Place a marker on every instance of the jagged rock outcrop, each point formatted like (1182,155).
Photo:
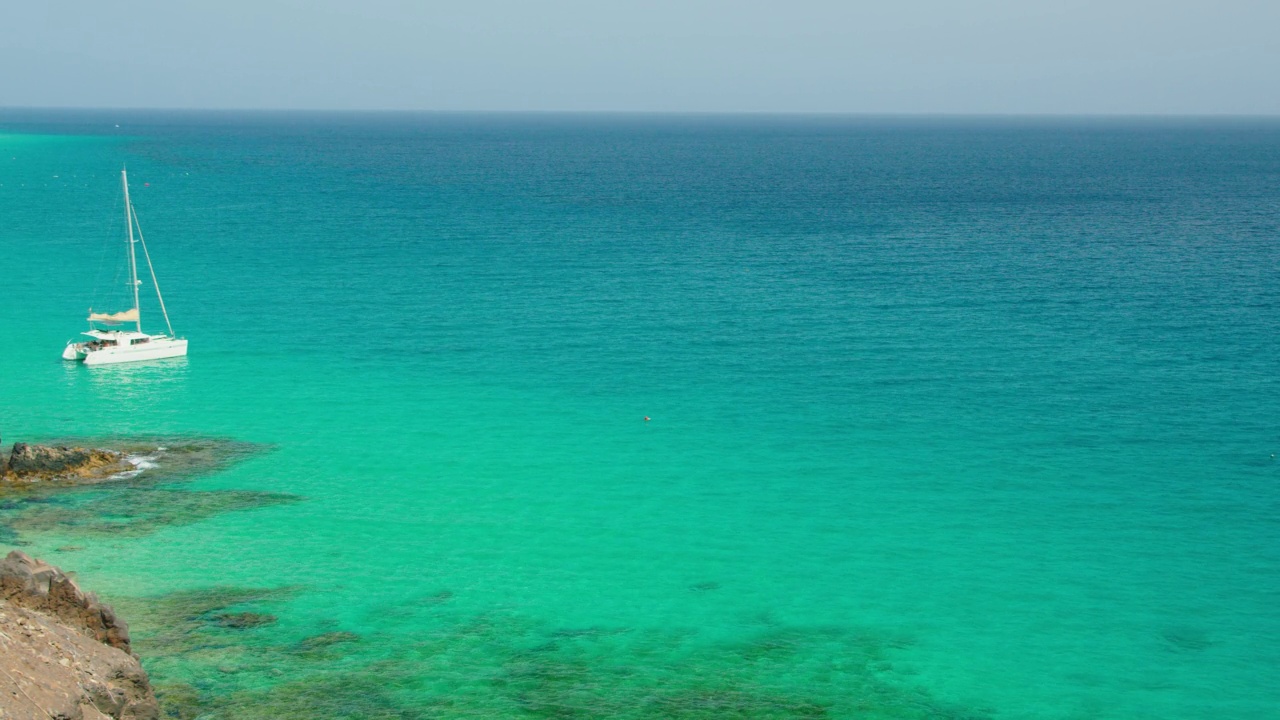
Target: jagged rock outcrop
(63,654)
(37,585)
(29,464)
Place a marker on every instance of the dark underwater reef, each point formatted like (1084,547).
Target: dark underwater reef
(230,653)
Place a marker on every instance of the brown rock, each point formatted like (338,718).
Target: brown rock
(36,585)
(63,653)
(30,464)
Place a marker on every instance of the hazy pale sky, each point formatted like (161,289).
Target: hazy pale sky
(888,56)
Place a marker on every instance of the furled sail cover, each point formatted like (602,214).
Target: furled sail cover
(115,318)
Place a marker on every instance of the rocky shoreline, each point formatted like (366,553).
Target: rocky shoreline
(29,465)
(65,654)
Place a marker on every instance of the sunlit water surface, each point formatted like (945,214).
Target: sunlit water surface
(946,418)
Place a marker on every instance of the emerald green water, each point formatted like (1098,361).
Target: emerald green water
(948,418)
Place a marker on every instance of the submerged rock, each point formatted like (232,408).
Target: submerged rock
(325,640)
(131,511)
(65,654)
(243,620)
(29,464)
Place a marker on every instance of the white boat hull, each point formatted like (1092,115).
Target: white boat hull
(155,349)
(113,346)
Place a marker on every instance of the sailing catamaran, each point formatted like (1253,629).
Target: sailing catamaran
(118,346)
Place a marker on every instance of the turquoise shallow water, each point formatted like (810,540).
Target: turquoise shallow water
(949,418)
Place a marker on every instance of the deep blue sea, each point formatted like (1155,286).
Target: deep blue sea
(595,416)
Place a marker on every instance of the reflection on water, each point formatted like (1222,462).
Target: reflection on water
(128,382)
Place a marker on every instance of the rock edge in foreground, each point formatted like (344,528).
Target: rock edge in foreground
(64,654)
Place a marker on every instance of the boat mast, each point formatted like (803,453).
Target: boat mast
(152,269)
(133,259)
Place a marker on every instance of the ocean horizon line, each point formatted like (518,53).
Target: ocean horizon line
(798,114)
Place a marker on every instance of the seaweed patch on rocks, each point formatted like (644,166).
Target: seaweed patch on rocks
(356,696)
(498,665)
(325,641)
(68,462)
(137,498)
(133,512)
(243,620)
(205,620)
(505,664)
